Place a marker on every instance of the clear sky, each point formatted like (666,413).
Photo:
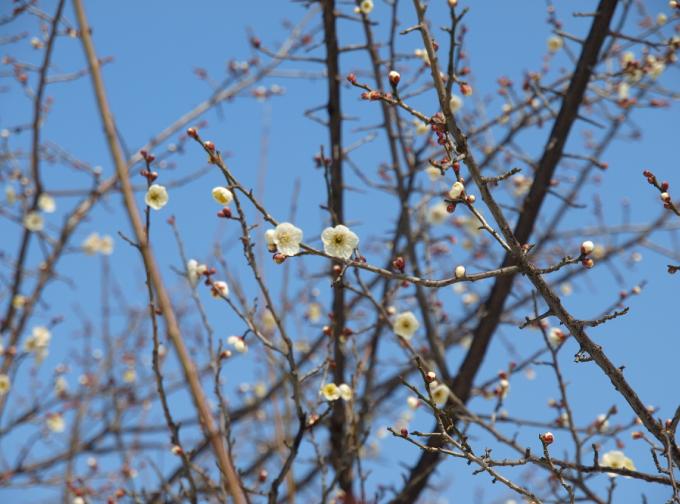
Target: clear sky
(159,47)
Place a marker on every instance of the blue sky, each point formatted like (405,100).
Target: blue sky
(157,47)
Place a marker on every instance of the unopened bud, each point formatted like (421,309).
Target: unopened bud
(546,438)
(394,77)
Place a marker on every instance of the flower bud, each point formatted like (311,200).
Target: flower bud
(209,145)
(546,438)
(192,132)
(588,263)
(394,78)
(460,271)
(587,247)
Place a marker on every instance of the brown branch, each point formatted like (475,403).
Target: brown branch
(172,327)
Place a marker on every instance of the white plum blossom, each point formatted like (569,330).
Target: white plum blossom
(238,343)
(330,392)
(55,422)
(33,221)
(413,402)
(455,103)
(46,203)
(555,43)
(97,244)
(366,6)
(219,289)
(156,196)
(434,173)
(405,325)
(440,392)
(222,195)
(438,213)
(5,384)
(460,271)
(194,271)
(345,392)
(339,241)
(287,238)
(617,460)
(38,343)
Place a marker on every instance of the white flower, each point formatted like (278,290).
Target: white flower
(555,43)
(10,194)
(440,392)
(33,221)
(106,245)
(460,271)
(314,312)
(55,422)
(455,103)
(366,6)
(339,241)
(156,197)
(661,19)
(18,302)
(345,392)
(222,195)
(238,343)
(433,173)
(46,203)
(269,239)
(617,460)
(456,191)
(556,337)
(194,271)
(413,402)
(330,392)
(38,341)
(421,127)
(5,384)
(437,214)
(422,54)
(130,375)
(60,385)
(405,325)
(91,244)
(287,238)
(219,289)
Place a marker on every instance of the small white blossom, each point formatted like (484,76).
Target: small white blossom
(366,6)
(433,173)
(238,343)
(222,195)
(55,422)
(5,384)
(405,325)
(330,392)
(440,392)
(46,203)
(437,214)
(413,402)
(617,460)
(194,271)
(345,392)
(156,197)
(455,103)
(457,189)
(460,271)
(106,245)
(339,241)
(219,289)
(33,221)
(555,43)
(130,375)
(287,238)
